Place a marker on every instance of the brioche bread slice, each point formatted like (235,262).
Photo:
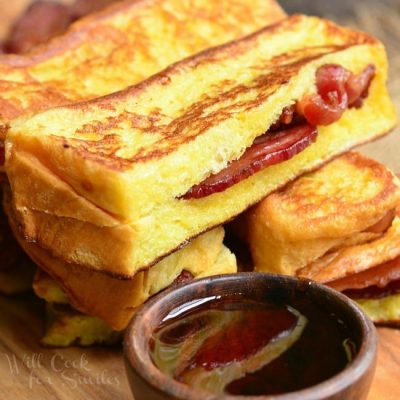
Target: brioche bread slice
(115,167)
(349,260)
(114,300)
(338,225)
(120,46)
(110,50)
(320,212)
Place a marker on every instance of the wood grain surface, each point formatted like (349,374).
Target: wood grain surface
(29,371)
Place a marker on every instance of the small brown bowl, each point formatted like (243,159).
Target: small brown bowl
(149,383)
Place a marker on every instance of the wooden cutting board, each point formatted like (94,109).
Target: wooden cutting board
(29,371)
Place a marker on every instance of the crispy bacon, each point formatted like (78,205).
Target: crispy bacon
(42,20)
(330,102)
(337,89)
(357,86)
(379,277)
(266,150)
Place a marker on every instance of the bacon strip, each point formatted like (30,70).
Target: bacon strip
(337,89)
(42,20)
(45,19)
(357,86)
(331,100)
(268,149)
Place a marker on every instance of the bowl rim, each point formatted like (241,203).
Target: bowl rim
(138,357)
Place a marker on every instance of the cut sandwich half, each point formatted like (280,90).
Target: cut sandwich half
(115,300)
(369,273)
(339,225)
(105,52)
(116,184)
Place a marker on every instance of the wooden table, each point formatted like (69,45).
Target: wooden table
(28,371)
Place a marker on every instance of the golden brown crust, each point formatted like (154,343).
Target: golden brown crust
(336,200)
(114,299)
(94,24)
(109,50)
(165,117)
(171,134)
(354,259)
(19,97)
(98,140)
(340,38)
(241,228)
(61,195)
(320,213)
(118,274)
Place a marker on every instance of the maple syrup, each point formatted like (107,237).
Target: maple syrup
(234,345)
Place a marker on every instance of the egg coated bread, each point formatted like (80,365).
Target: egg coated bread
(115,167)
(120,46)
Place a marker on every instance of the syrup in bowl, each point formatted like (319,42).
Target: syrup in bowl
(235,345)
